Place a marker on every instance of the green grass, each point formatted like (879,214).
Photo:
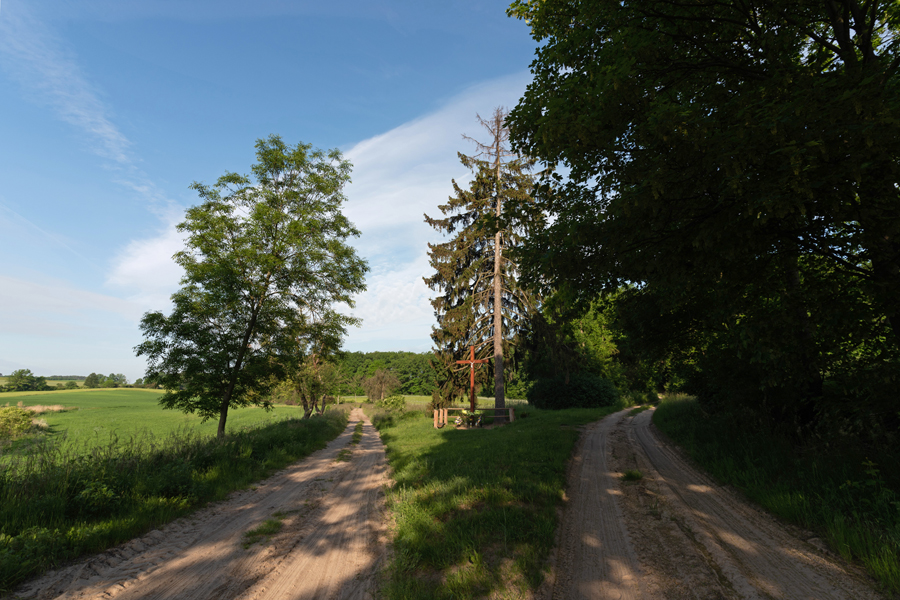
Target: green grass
(104,414)
(262,533)
(632,475)
(839,492)
(58,502)
(476,510)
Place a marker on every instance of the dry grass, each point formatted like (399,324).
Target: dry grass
(40,409)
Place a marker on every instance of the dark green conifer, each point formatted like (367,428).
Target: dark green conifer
(481,303)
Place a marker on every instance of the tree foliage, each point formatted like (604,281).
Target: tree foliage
(412,369)
(265,262)
(737,163)
(314,382)
(23,380)
(480,301)
(382,383)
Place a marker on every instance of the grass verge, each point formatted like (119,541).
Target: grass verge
(476,510)
(57,503)
(839,494)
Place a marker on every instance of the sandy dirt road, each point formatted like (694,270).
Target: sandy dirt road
(676,534)
(329,546)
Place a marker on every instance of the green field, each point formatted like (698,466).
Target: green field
(97,415)
(115,465)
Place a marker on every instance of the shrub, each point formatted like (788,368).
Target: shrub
(14,421)
(581,391)
(392,403)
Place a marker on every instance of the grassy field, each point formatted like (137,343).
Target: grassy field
(841,493)
(476,510)
(119,466)
(98,415)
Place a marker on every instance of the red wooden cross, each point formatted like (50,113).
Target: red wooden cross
(472,362)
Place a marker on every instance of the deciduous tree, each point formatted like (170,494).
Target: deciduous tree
(266,261)
(724,157)
(380,384)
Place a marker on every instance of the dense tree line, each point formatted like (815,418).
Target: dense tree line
(112,380)
(731,181)
(411,369)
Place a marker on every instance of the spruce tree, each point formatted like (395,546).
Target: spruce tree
(481,303)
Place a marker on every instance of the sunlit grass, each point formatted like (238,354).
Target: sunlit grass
(94,417)
(476,510)
(60,501)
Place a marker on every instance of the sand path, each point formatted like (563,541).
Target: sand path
(329,546)
(677,534)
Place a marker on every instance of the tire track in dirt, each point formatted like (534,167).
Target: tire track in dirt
(674,534)
(747,553)
(330,539)
(594,555)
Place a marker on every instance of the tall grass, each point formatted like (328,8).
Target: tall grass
(58,501)
(476,510)
(839,493)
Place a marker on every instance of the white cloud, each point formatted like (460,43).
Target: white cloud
(397,177)
(36,60)
(55,306)
(53,328)
(145,270)
(34,56)
(395,310)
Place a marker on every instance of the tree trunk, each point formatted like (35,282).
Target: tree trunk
(499,393)
(226,399)
(811,389)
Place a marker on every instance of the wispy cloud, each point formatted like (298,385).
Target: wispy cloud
(53,327)
(144,269)
(35,58)
(49,74)
(53,238)
(398,176)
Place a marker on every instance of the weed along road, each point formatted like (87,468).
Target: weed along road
(673,533)
(314,530)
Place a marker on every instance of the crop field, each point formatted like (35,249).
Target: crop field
(96,416)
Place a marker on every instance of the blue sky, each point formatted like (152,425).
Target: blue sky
(109,109)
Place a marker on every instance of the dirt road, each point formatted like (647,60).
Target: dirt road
(329,545)
(675,534)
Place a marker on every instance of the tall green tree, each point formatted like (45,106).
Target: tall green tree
(266,261)
(23,380)
(736,161)
(482,303)
(92,381)
(382,383)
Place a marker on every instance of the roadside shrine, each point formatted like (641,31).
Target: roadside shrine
(441,415)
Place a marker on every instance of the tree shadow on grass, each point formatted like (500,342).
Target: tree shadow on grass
(476,510)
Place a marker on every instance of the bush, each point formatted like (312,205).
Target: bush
(14,421)
(582,391)
(392,403)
